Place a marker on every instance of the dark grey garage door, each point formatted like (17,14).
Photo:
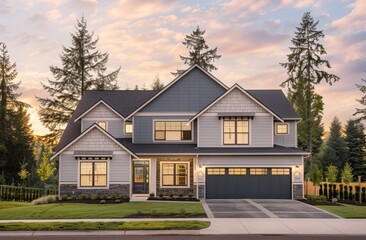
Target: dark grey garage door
(256,183)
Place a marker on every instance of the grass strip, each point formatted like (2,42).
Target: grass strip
(346,210)
(87,226)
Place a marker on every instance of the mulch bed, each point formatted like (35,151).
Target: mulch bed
(166,216)
(184,199)
(90,201)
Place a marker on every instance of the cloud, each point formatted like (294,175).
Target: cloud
(44,17)
(355,20)
(128,9)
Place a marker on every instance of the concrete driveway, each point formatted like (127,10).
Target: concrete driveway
(262,208)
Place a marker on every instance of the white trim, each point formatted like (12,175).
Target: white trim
(108,174)
(171,141)
(106,124)
(119,182)
(133,130)
(166,114)
(88,130)
(237,145)
(235,86)
(59,177)
(295,135)
(283,123)
(198,135)
(272,129)
(224,154)
(175,162)
(101,119)
(96,104)
(172,83)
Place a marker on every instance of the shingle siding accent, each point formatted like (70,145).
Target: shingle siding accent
(101,111)
(286,140)
(236,101)
(191,93)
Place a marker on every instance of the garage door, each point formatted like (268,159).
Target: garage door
(256,183)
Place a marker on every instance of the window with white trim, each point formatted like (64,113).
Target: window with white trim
(128,128)
(102,124)
(281,128)
(172,131)
(93,174)
(236,131)
(174,174)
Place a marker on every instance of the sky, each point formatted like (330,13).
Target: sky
(145,37)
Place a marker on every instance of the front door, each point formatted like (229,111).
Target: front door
(140,177)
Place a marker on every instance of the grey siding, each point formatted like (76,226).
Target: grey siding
(143,128)
(190,94)
(210,131)
(119,168)
(115,127)
(287,140)
(68,168)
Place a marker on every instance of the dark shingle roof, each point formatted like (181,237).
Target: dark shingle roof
(276,101)
(123,101)
(156,148)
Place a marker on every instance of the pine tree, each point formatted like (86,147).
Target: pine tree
(305,69)
(356,140)
(83,68)
(157,84)
(199,52)
(361,111)
(335,150)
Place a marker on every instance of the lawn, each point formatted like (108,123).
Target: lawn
(10,210)
(346,210)
(140,225)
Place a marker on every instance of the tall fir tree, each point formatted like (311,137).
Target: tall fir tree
(157,84)
(305,69)
(335,150)
(356,140)
(361,111)
(199,52)
(83,68)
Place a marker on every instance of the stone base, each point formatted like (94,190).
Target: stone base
(201,191)
(118,189)
(297,190)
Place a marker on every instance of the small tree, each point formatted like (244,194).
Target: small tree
(316,177)
(45,169)
(331,173)
(23,173)
(347,174)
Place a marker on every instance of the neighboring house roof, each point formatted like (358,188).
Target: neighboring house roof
(236,86)
(122,101)
(94,126)
(191,149)
(173,82)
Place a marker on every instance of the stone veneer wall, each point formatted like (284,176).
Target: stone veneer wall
(297,190)
(201,191)
(175,191)
(71,189)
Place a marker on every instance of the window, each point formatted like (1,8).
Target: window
(102,124)
(280,171)
(93,174)
(174,174)
(237,171)
(128,127)
(258,171)
(173,131)
(281,129)
(236,131)
(216,171)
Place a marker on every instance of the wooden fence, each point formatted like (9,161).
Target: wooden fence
(310,189)
(22,194)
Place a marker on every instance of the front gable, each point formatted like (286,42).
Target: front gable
(101,111)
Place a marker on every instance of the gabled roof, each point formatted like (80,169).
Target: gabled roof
(173,82)
(235,86)
(94,126)
(95,105)
(122,101)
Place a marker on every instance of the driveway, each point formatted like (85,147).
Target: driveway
(263,208)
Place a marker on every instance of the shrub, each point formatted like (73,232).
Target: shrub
(83,196)
(180,195)
(45,200)
(73,197)
(357,194)
(341,191)
(113,196)
(122,196)
(325,190)
(190,195)
(117,201)
(64,197)
(152,194)
(350,195)
(345,193)
(102,201)
(320,190)
(316,198)
(363,194)
(94,197)
(335,192)
(161,195)
(171,195)
(104,197)
(334,200)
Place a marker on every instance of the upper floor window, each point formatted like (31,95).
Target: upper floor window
(128,127)
(236,131)
(281,128)
(93,174)
(172,131)
(102,124)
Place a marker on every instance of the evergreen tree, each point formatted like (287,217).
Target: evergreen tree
(305,69)
(83,68)
(356,140)
(157,84)
(362,111)
(199,52)
(335,150)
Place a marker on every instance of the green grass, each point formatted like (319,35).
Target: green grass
(6,205)
(80,210)
(346,210)
(81,226)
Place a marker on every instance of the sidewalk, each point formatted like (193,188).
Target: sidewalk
(222,226)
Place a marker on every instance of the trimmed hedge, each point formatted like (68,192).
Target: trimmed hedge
(22,194)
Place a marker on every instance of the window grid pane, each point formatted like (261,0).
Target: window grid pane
(174,174)
(282,129)
(93,174)
(173,131)
(236,131)
(258,171)
(102,124)
(216,171)
(128,127)
(280,171)
(237,171)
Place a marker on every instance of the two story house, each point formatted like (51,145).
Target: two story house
(195,137)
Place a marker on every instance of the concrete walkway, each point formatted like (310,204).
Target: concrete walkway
(223,226)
